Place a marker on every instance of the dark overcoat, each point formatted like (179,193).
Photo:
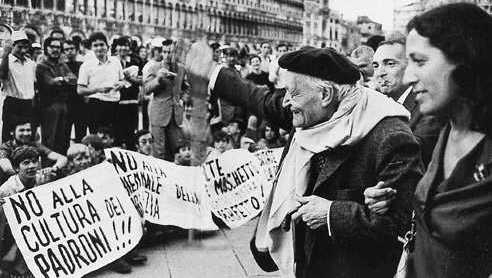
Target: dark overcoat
(362,244)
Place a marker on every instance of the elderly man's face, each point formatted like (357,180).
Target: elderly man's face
(389,66)
(305,100)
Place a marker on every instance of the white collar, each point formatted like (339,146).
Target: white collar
(404,96)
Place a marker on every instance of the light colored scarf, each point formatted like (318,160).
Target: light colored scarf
(360,109)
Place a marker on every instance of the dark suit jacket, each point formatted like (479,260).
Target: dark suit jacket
(165,104)
(425,128)
(362,244)
(454,216)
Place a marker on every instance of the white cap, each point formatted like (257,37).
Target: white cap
(19,36)
(156,42)
(36,45)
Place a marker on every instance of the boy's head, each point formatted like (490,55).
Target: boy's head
(106,134)
(96,147)
(247,143)
(79,156)
(144,142)
(25,160)
(184,154)
(221,140)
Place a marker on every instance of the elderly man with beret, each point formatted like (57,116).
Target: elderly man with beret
(343,139)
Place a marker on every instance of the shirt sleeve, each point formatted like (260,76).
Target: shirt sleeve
(4,151)
(213,76)
(83,75)
(45,151)
(328,219)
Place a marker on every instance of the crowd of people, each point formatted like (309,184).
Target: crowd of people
(393,129)
(65,101)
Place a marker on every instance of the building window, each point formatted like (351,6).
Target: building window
(48,4)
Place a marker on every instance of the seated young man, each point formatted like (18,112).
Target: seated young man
(184,155)
(25,161)
(23,136)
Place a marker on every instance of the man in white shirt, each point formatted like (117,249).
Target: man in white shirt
(101,79)
(17,74)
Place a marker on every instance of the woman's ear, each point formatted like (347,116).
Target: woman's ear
(328,95)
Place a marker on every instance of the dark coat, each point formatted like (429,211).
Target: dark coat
(425,128)
(454,216)
(362,244)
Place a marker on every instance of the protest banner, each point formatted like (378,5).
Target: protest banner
(74,225)
(269,162)
(234,186)
(164,193)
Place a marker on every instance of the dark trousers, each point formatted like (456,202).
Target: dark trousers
(102,114)
(78,117)
(126,125)
(54,126)
(145,114)
(15,110)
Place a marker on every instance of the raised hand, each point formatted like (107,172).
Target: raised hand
(199,60)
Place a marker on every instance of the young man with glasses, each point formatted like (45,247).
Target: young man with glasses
(55,79)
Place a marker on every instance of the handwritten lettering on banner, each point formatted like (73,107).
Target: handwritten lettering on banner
(269,161)
(75,225)
(234,186)
(164,193)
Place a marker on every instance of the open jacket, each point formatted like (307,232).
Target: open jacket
(361,244)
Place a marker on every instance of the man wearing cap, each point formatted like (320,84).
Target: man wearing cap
(166,111)
(17,74)
(344,138)
(37,52)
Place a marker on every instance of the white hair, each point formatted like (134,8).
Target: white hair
(315,82)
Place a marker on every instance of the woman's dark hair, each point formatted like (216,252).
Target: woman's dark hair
(97,36)
(47,42)
(462,32)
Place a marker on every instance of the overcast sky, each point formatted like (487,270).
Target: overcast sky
(378,10)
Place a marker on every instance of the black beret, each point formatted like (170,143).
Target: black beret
(324,63)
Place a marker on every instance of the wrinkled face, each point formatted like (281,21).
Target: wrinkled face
(54,49)
(429,71)
(145,144)
(255,63)
(304,100)
(389,64)
(28,168)
(69,51)
(364,63)
(100,48)
(82,160)
(23,133)
(122,50)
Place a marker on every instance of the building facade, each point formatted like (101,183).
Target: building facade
(405,10)
(325,27)
(368,28)
(226,20)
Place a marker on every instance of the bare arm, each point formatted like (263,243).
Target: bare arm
(6,166)
(60,160)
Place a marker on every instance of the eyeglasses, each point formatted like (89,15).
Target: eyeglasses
(54,46)
(69,48)
(166,51)
(98,44)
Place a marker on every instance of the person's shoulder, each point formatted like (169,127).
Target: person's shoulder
(42,148)
(391,130)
